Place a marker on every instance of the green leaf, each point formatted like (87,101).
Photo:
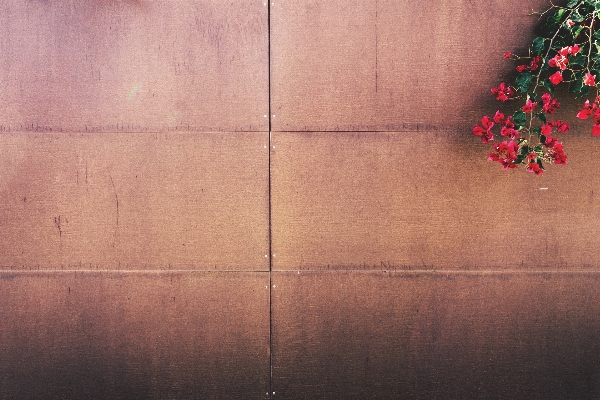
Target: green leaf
(519,118)
(523,81)
(583,91)
(537,47)
(575,32)
(543,138)
(548,85)
(542,117)
(576,17)
(576,84)
(579,59)
(572,3)
(539,161)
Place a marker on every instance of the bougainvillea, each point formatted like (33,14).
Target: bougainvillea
(567,52)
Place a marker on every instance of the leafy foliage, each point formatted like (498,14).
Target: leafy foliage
(567,51)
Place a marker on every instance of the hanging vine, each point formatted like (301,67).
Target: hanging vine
(566,53)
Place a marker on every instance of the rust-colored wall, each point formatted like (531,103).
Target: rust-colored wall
(158,241)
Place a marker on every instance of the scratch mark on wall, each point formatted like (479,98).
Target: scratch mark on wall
(376,50)
(57,223)
(117,209)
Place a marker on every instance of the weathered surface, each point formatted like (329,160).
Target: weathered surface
(427,200)
(390,65)
(94,178)
(135,65)
(134,201)
(375,335)
(138,336)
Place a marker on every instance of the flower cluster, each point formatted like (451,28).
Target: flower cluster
(516,150)
(591,110)
(566,52)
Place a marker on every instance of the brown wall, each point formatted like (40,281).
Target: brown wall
(208,199)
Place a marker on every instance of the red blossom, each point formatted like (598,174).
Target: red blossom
(509,132)
(535,168)
(587,110)
(502,92)
(556,77)
(596,129)
(550,141)
(535,63)
(498,117)
(549,104)
(588,79)
(522,68)
(507,55)
(529,106)
(569,22)
(506,153)
(485,132)
(574,49)
(560,126)
(558,155)
(546,129)
(559,61)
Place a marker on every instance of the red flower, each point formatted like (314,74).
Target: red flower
(535,63)
(486,131)
(588,110)
(546,129)
(570,23)
(509,132)
(560,126)
(596,129)
(535,168)
(549,104)
(588,79)
(506,154)
(574,49)
(502,92)
(529,106)
(550,141)
(556,77)
(507,55)
(498,117)
(558,154)
(559,61)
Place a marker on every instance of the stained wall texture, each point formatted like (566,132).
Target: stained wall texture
(252,199)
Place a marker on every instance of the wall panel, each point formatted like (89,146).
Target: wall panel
(134,335)
(427,200)
(390,65)
(134,201)
(134,65)
(382,335)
